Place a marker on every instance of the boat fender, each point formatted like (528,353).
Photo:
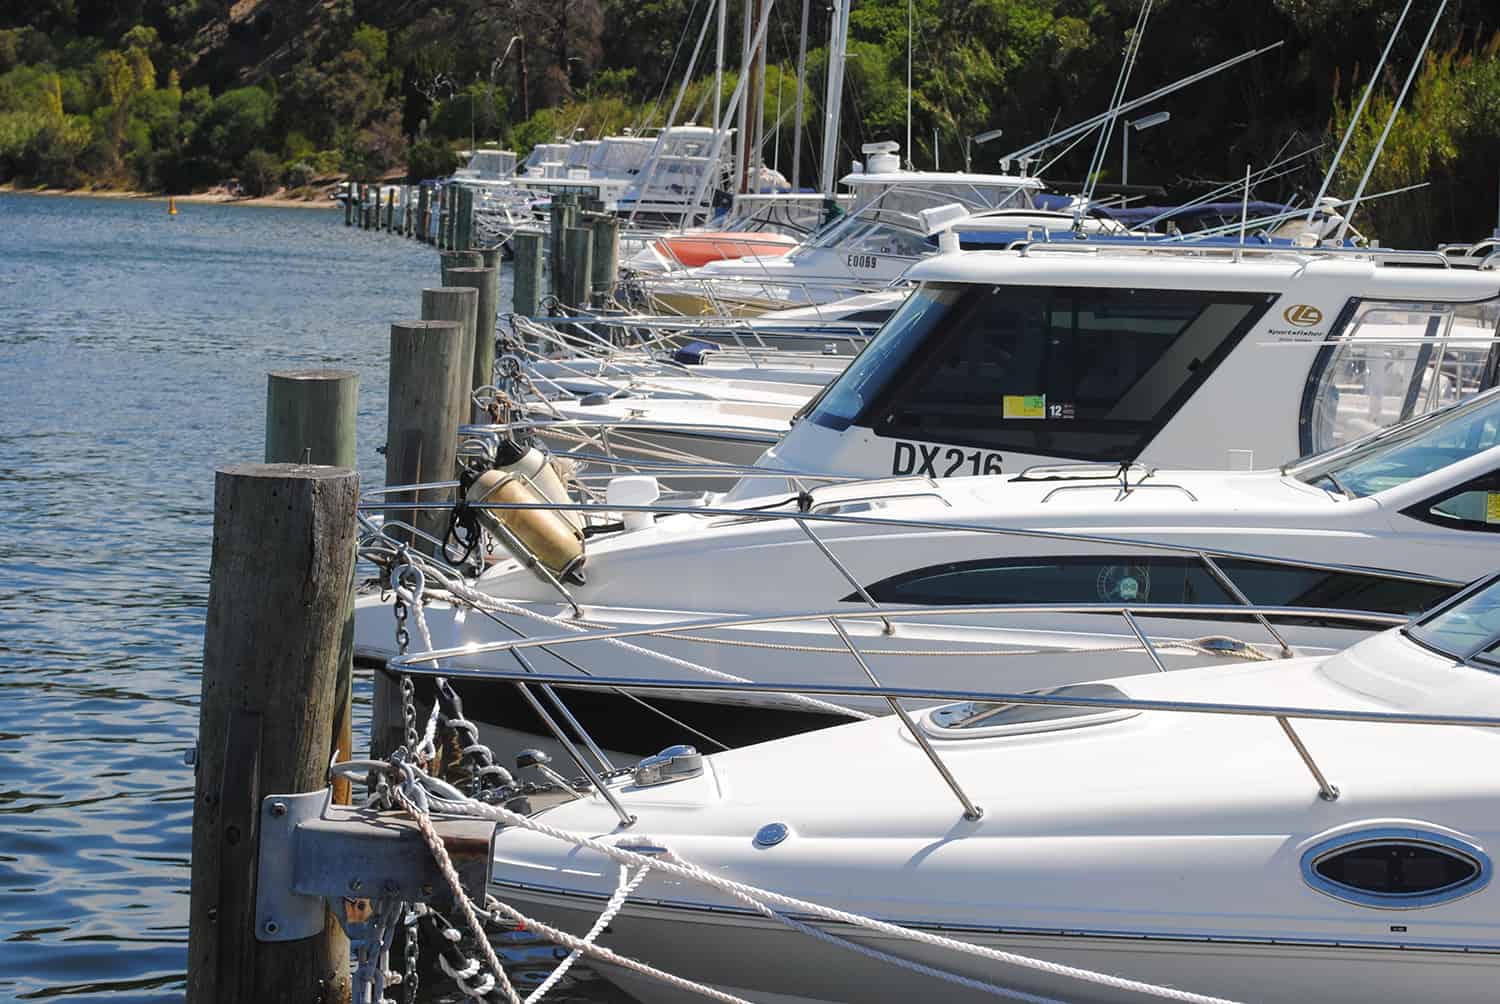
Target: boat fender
(536,467)
(693,353)
(545,535)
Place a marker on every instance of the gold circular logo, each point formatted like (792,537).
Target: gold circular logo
(1303,315)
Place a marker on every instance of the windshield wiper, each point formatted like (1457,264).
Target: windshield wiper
(1328,476)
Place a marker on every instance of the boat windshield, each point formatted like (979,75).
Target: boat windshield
(1467,629)
(1410,450)
(1392,360)
(1075,372)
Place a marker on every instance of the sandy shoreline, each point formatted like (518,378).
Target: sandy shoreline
(217,198)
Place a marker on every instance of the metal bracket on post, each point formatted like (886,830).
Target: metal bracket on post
(312,850)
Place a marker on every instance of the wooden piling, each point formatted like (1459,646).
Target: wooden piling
(527,252)
(461,304)
(278,618)
(349,204)
(311,416)
(450,260)
(429,363)
(578,249)
(486,282)
(423,217)
(605,260)
(562,216)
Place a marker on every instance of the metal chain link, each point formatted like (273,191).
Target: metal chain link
(409,978)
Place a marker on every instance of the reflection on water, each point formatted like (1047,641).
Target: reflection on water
(133,353)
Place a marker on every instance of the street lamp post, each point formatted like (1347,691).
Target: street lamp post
(979,140)
(1138,125)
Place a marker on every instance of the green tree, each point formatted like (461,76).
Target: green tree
(260,173)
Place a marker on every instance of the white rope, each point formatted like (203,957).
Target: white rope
(445,865)
(440,855)
(684,870)
(627,885)
(875,953)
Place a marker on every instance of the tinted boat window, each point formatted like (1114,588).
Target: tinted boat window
(1149,579)
(890,349)
(1085,373)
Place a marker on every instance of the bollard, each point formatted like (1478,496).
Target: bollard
(563,216)
(486,282)
(578,247)
(311,417)
(491,258)
(606,258)
(450,260)
(280,584)
(526,246)
(428,360)
(461,304)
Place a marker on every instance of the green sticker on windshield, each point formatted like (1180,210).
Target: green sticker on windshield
(1492,507)
(1024,406)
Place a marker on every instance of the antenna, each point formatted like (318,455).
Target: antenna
(1244,213)
(1354,119)
(909,5)
(1096,162)
(1416,64)
(1083,127)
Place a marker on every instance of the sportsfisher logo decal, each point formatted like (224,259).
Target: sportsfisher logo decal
(940,462)
(1303,315)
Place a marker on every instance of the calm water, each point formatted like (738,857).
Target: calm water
(133,353)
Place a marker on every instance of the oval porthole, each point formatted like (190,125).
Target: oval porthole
(1396,869)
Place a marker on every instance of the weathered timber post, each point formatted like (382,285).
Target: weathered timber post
(311,417)
(428,384)
(578,243)
(439,235)
(422,214)
(491,258)
(349,204)
(527,248)
(461,304)
(461,219)
(563,216)
(278,619)
(364,206)
(606,258)
(450,260)
(486,282)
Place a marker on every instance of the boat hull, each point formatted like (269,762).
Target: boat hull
(767,962)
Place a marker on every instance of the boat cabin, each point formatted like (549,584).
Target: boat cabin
(1205,358)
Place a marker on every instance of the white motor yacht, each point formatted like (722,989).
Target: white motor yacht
(1315,829)
(1066,352)
(1388,524)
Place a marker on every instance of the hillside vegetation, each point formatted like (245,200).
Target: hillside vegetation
(173,95)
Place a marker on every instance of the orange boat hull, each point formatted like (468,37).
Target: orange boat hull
(692,250)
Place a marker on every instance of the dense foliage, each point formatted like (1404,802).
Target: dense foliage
(176,94)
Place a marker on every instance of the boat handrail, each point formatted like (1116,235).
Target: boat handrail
(438,662)
(374,501)
(1378,256)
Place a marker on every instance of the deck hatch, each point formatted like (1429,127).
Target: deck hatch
(1396,868)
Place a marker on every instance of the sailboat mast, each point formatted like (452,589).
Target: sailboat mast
(832,105)
(797,115)
(719,64)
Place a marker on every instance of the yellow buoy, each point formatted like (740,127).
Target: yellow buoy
(171,205)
